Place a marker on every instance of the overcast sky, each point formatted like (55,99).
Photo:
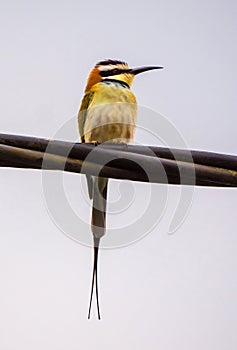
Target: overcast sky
(164,291)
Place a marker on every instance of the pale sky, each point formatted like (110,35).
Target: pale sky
(164,291)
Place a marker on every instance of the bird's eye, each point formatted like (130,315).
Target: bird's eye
(115,71)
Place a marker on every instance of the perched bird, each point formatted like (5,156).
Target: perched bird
(107,114)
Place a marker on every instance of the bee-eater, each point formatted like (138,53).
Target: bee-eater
(107,114)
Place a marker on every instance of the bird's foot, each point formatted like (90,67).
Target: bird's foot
(95,143)
(125,145)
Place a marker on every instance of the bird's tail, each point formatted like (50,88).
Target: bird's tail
(95,278)
(98,227)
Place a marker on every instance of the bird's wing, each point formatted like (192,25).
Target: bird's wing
(83,111)
(81,122)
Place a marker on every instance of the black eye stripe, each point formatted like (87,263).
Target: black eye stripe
(114,71)
(107,73)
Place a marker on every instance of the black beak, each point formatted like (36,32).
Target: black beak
(139,70)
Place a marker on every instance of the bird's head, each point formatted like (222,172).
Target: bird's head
(114,69)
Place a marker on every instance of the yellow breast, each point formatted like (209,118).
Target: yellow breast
(111,114)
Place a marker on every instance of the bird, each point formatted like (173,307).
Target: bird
(107,113)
